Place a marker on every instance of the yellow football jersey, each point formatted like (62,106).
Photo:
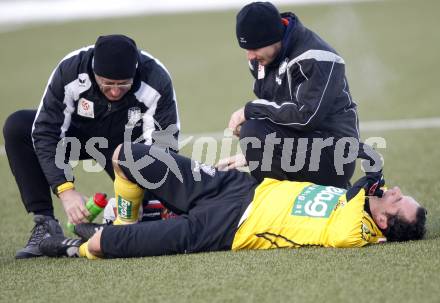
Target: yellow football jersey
(295,214)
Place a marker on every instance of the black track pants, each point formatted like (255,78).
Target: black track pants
(32,184)
(277,163)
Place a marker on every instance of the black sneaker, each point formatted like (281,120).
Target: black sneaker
(60,246)
(87,230)
(44,227)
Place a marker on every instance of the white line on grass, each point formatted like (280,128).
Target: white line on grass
(369,126)
(400,124)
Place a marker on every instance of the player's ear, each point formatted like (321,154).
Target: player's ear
(382,221)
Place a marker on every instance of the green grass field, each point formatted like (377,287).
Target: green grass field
(391,53)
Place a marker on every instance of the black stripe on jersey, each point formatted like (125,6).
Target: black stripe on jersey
(263,235)
(372,224)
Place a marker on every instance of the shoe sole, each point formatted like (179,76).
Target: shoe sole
(27,256)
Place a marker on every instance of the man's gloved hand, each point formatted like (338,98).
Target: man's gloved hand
(74,206)
(375,183)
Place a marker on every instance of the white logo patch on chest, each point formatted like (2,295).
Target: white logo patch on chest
(85,108)
(261,71)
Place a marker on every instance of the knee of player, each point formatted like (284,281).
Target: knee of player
(14,126)
(116,153)
(255,129)
(94,244)
(247,130)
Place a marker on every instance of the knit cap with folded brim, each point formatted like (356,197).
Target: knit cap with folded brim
(115,57)
(258,25)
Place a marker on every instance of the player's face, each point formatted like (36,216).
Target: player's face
(395,203)
(264,55)
(113,90)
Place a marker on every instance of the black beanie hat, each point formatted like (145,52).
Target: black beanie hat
(115,57)
(258,25)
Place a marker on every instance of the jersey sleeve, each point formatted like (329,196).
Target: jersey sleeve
(345,229)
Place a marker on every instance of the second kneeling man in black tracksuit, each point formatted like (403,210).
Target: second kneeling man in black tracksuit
(302,93)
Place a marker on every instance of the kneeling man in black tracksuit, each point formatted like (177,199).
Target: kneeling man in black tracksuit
(96,98)
(303,111)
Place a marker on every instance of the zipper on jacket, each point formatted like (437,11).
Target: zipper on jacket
(109,107)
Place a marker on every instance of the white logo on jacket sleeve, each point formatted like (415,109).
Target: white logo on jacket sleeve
(283,68)
(85,108)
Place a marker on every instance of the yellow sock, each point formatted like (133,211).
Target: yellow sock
(128,200)
(85,253)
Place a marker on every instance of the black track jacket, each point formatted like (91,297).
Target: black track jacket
(305,88)
(73,105)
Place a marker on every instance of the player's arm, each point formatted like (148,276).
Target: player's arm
(47,132)
(373,182)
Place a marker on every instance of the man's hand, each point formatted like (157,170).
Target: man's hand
(232,162)
(74,206)
(375,185)
(237,118)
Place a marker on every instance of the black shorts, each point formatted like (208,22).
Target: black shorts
(210,204)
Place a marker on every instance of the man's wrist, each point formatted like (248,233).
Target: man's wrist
(64,187)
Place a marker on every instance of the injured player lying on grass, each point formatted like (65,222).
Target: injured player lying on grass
(229,210)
